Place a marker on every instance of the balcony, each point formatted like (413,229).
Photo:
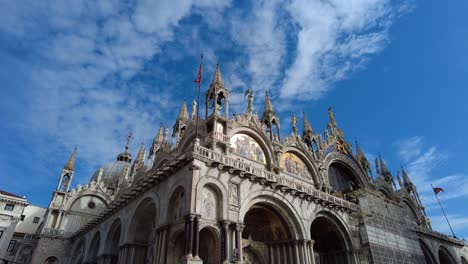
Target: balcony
(51,232)
(282,182)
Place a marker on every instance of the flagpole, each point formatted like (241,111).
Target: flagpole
(199,91)
(443,211)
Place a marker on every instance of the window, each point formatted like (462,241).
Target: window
(11,246)
(36,220)
(91,205)
(22,217)
(9,207)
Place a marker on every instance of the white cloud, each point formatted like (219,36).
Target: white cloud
(409,148)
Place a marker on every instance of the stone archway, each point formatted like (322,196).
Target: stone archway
(210,248)
(141,233)
(330,244)
(445,257)
(93,249)
(428,256)
(111,252)
(267,237)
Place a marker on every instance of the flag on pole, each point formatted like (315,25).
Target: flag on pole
(199,78)
(437,190)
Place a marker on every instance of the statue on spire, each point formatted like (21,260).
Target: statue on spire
(193,115)
(294,123)
(249,93)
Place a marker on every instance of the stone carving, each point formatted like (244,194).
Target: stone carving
(209,203)
(233,194)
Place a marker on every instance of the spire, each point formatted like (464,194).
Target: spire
(183,114)
(141,154)
(268,109)
(332,123)
(406,180)
(306,127)
(270,119)
(160,136)
(217,79)
(70,165)
(359,151)
(399,179)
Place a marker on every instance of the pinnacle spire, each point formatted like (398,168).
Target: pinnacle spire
(306,127)
(183,114)
(406,179)
(217,79)
(70,165)
(359,151)
(160,136)
(268,109)
(141,154)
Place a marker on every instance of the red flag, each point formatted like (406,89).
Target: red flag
(199,78)
(437,190)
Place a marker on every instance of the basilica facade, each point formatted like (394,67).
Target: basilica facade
(231,189)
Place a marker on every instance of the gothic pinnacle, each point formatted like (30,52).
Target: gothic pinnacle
(268,109)
(70,165)
(217,79)
(307,128)
(141,154)
(183,114)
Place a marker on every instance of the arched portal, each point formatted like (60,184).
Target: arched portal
(111,252)
(266,236)
(210,248)
(330,243)
(428,256)
(445,257)
(141,233)
(94,249)
(51,260)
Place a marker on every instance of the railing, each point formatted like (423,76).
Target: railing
(52,232)
(219,136)
(280,180)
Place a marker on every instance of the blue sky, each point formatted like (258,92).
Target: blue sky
(87,72)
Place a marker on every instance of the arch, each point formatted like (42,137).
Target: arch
(78,252)
(342,179)
(385,192)
(445,257)
(305,159)
(332,240)
(349,164)
(210,249)
(211,207)
(93,249)
(72,205)
(410,210)
(260,137)
(112,242)
(294,164)
(283,207)
(428,255)
(220,190)
(177,205)
(141,231)
(248,147)
(51,260)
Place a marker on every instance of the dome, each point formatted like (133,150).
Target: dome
(110,173)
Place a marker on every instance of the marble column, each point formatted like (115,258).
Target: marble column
(196,235)
(226,253)
(297,258)
(239,228)
(189,227)
(311,251)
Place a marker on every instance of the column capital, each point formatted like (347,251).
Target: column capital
(239,226)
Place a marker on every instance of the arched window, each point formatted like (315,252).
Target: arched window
(51,260)
(246,146)
(341,179)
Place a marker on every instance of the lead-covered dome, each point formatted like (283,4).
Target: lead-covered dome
(111,173)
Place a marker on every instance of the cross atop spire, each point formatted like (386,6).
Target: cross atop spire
(129,139)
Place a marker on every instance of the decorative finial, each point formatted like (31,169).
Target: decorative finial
(70,165)
(249,93)
(129,139)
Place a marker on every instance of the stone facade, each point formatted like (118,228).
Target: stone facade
(234,191)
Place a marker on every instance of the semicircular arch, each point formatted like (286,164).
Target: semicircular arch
(221,192)
(314,173)
(260,139)
(348,164)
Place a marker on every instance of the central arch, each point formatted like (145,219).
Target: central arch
(267,234)
(332,243)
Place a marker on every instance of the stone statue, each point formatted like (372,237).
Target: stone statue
(294,124)
(194,109)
